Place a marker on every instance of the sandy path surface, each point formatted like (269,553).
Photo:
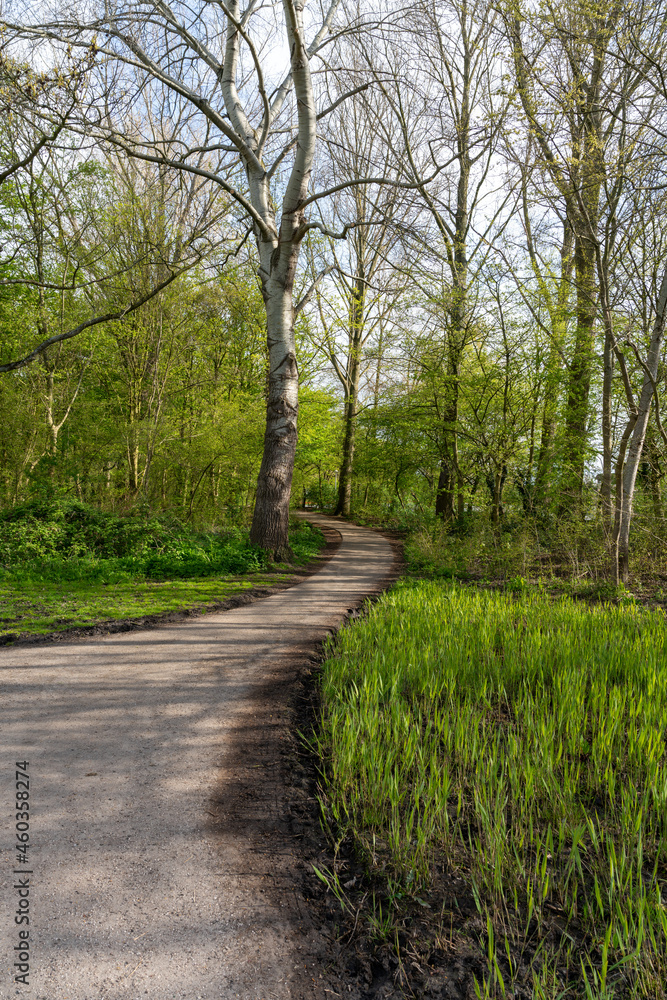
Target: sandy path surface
(150,755)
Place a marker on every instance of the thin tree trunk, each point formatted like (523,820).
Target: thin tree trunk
(50,423)
(458,314)
(639,434)
(620,463)
(357,310)
(608,371)
(444,501)
(577,411)
(559,321)
(344,503)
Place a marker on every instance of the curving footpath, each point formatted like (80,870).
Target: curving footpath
(143,881)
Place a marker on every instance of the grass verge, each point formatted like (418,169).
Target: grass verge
(507,749)
(46,607)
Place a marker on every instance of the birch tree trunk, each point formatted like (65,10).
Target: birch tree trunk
(638,437)
(270,524)
(279,257)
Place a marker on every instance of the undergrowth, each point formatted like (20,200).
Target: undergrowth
(66,540)
(572,555)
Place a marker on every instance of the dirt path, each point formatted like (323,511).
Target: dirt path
(161,859)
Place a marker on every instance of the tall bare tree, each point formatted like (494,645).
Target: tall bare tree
(253,131)
(450,111)
(592,111)
(365,281)
(567,82)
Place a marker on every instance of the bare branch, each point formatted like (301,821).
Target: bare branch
(307,296)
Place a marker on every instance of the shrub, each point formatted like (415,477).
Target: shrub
(65,539)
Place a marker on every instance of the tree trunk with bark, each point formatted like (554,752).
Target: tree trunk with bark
(639,424)
(344,502)
(458,319)
(356,337)
(448,472)
(558,311)
(270,523)
(607,376)
(578,178)
(579,381)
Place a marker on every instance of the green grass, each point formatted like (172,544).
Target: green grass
(40,608)
(521,741)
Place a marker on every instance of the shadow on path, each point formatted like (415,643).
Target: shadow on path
(160,821)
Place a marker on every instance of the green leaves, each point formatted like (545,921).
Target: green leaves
(60,538)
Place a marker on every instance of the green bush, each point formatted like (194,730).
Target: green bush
(64,539)
(64,527)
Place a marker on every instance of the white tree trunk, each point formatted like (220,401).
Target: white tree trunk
(271,515)
(639,434)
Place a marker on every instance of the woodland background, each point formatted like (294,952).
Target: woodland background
(476,352)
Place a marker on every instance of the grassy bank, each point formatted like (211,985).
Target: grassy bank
(66,565)
(517,744)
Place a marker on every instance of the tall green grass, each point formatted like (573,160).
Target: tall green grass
(521,740)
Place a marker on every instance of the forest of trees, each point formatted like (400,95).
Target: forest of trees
(438,231)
